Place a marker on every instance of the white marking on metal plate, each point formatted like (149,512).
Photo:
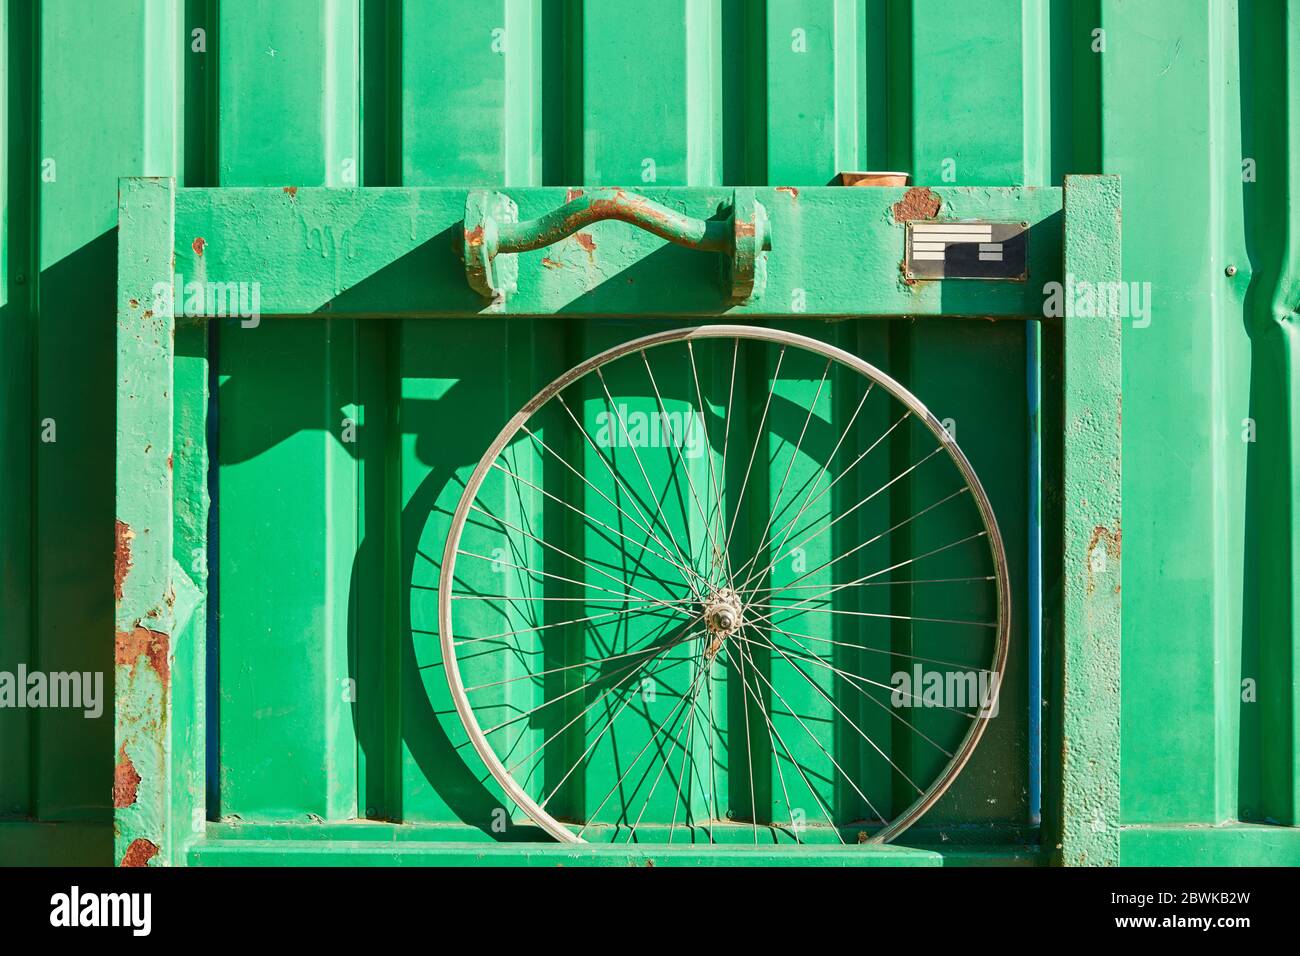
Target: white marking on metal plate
(952,227)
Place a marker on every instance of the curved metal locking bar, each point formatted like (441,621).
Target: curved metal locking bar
(492,229)
(713,235)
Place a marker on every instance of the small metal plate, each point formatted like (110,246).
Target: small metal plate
(970,249)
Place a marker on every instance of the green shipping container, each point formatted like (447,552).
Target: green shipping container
(276,277)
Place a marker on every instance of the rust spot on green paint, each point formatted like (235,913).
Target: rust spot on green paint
(198,245)
(919,202)
(121,556)
(140,852)
(139,642)
(126,781)
(792,190)
(587,243)
(551,263)
(292,191)
(571,194)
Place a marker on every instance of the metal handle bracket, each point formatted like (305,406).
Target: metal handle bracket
(494,236)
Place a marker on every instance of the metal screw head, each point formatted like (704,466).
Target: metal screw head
(1230,271)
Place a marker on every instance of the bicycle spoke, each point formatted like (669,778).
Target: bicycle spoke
(684,564)
(815,738)
(780,492)
(681,461)
(830,818)
(595,521)
(758,432)
(745,657)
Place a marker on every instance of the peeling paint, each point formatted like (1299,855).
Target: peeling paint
(126,780)
(139,853)
(919,202)
(792,190)
(198,245)
(130,646)
(121,557)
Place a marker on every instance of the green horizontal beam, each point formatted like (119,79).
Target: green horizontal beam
(370,843)
(1237,844)
(397,253)
(409,853)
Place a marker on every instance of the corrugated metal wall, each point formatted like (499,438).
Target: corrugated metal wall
(362,92)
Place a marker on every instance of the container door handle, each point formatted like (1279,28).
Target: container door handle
(494,235)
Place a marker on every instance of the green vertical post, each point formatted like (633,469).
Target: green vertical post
(1088,816)
(143,582)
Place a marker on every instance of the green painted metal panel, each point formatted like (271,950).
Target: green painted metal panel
(819,102)
(65,152)
(1269,775)
(82,147)
(472,98)
(977,373)
(287,116)
(651,126)
(1190,406)
(319,538)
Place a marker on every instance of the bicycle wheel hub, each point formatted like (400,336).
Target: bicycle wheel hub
(722,612)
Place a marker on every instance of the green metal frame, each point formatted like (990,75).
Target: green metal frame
(835,252)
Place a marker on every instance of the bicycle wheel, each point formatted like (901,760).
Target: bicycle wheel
(724,583)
